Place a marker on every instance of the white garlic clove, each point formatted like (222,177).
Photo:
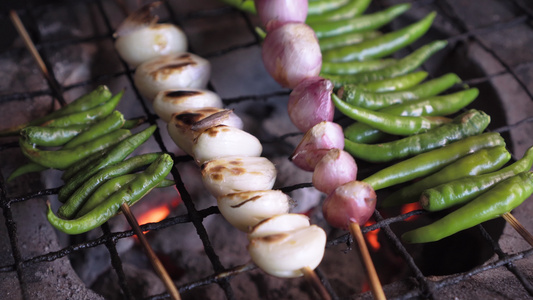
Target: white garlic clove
(172,71)
(149,42)
(279,224)
(230,175)
(244,210)
(169,102)
(221,141)
(285,254)
(184,127)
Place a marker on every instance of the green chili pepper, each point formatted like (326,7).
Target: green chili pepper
(346,39)
(98,96)
(118,153)
(501,199)
(132,123)
(356,96)
(51,136)
(461,191)
(432,161)
(108,124)
(62,159)
(87,116)
(130,194)
(398,125)
(108,188)
(355,67)
(82,165)
(351,9)
(80,195)
(480,162)
(381,46)
(322,6)
(359,24)
(397,83)
(244,5)
(405,65)
(24,169)
(467,124)
(433,106)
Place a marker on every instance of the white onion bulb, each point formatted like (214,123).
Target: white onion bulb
(169,102)
(278,224)
(173,71)
(221,141)
(244,210)
(291,53)
(184,127)
(230,175)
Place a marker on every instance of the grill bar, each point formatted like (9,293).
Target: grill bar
(222,275)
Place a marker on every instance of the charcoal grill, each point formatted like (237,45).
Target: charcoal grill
(489,44)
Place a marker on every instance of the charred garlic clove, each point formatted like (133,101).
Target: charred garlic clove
(221,141)
(172,71)
(286,254)
(230,175)
(279,224)
(169,102)
(141,28)
(244,210)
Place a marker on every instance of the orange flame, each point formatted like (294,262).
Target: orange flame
(158,213)
(372,236)
(407,208)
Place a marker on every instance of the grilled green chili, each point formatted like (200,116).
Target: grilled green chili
(397,83)
(398,125)
(467,124)
(461,191)
(30,167)
(381,46)
(411,62)
(346,39)
(349,10)
(480,162)
(112,122)
(130,194)
(360,23)
(51,136)
(433,106)
(118,153)
(322,6)
(63,158)
(501,199)
(356,96)
(355,67)
(80,195)
(432,161)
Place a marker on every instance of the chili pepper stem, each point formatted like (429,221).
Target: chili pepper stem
(156,263)
(375,284)
(313,279)
(518,227)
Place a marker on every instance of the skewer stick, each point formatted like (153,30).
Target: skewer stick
(156,263)
(518,227)
(375,284)
(33,50)
(312,278)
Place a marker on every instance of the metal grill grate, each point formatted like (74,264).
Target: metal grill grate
(423,286)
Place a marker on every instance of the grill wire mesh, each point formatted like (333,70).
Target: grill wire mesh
(424,287)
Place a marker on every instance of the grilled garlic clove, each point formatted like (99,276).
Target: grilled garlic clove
(140,28)
(221,141)
(172,71)
(184,127)
(244,210)
(285,254)
(279,224)
(230,175)
(169,102)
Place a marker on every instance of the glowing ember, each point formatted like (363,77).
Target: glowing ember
(372,236)
(407,208)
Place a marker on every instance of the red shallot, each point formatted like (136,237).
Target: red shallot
(336,168)
(310,103)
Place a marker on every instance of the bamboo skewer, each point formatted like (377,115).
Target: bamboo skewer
(375,284)
(518,227)
(154,260)
(312,278)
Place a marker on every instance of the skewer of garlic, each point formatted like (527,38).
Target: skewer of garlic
(169,102)
(184,127)
(235,174)
(141,28)
(171,71)
(287,245)
(246,209)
